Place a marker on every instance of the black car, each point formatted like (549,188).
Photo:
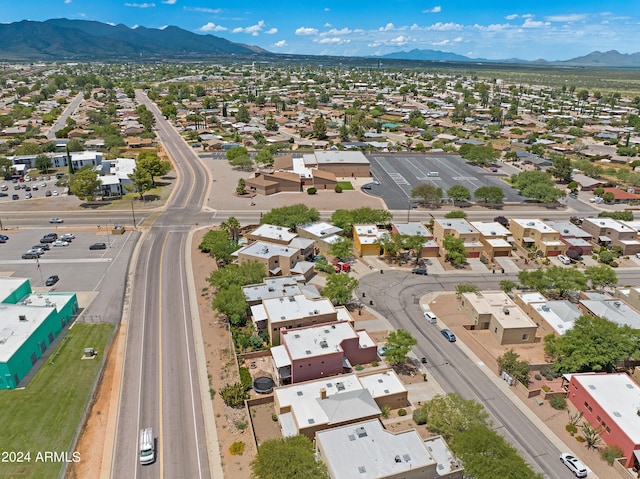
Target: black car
(98,246)
(43,246)
(15,197)
(2,194)
(47,239)
(30,255)
(4,237)
(422,271)
(51,280)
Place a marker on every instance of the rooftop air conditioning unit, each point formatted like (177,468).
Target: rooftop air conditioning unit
(22,317)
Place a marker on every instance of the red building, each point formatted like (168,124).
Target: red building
(611,404)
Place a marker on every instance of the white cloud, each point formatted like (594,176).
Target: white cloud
(333,31)
(140,5)
(271,31)
(280,44)
(306,31)
(528,15)
(441,43)
(513,16)
(67,1)
(436,9)
(445,26)
(253,30)
(327,9)
(212,27)
(332,40)
(169,2)
(387,28)
(528,23)
(202,10)
(572,17)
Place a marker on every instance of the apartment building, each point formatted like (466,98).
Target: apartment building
(609,232)
(528,233)
(460,228)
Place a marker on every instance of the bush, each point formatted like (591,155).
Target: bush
(385,411)
(545,388)
(237,448)
(338,189)
(241,424)
(613,264)
(611,453)
(358,367)
(374,363)
(420,416)
(548,372)
(274,417)
(538,377)
(245,378)
(234,394)
(580,439)
(558,402)
(402,412)
(312,191)
(571,428)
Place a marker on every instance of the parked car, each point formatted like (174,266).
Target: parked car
(30,255)
(4,237)
(366,187)
(35,188)
(43,185)
(68,237)
(4,187)
(422,271)
(98,246)
(51,280)
(38,249)
(44,246)
(60,243)
(564,259)
(56,220)
(28,196)
(48,193)
(574,464)
(15,197)
(429,316)
(448,334)
(55,193)
(3,194)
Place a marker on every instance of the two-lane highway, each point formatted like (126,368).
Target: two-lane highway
(161,385)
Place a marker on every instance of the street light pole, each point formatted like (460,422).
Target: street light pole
(133,214)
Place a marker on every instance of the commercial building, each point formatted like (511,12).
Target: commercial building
(529,233)
(29,324)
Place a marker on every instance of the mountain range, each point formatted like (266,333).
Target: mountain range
(83,40)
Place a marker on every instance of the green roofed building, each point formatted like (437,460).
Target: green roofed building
(29,323)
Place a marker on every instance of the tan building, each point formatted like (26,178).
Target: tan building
(528,233)
(352,164)
(609,232)
(496,239)
(497,312)
(278,259)
(365,239)
(415,228)
(459,228)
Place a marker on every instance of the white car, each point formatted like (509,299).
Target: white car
(429,316)
(60,243)
(56,220)
(68,237)
(574,464)
(564,259)
(55,193)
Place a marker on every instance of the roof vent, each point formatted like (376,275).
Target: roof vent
(397,458)
(22,317)
(361,432)
(324,344)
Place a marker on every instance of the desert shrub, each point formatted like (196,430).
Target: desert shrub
(571,428)
(358,367)
(385,411)
(580,439)
(312,191)
(402,412)
(338,189)
(558,402)
(538,377)
(237,448)
(245,378)
(548,372)
(420,416)
(611,453)
(234,394)
(614,264)
(241,424)
(274,417)
(374,363)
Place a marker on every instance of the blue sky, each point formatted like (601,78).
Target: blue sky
(494,29)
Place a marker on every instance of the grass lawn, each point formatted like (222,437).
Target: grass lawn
(44,416)
(345,185)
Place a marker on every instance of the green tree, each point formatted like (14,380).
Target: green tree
(339,288)
(459,193)
(456,253)
(462,288)
(415,243)
(345,219)
(218,245)
(291,216)
(234,394)
(288,457)
(154,165)
(264,157)
(249,272)
(562,169)
(241,189)
(238,157)
(142,180)
(75,145)
(489,194)
(608,197)
(391,244)
(43,163)
(232,226)
(507,285)
(564,282)
(6,166)
(479,154)
(341,248)
(399,343)
(85,183)
(427,193)
(28,149)
(592,344)
(231,303)
(456,214)
(243,114)
(320,128)
(601,275)
(511,363)
(449,415)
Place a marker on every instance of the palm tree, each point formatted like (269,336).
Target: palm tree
(232,226)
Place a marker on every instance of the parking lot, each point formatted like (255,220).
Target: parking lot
(80,269)
(38,187)
(398,174)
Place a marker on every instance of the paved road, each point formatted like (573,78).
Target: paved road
(160,386)
(397,297)
(61,122)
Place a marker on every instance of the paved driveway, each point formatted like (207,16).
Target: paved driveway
(398,174)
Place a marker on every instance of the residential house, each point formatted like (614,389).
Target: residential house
(552,317)
(612,309)
(495,238)
(398,455)
(415,228)
(529,233)
(609,232)
(277,287)
(497,312)
(365,239)
(573,236)
(323,350)
(622,196)
(323,234)
(459,228)
(610,403)
(277,259)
